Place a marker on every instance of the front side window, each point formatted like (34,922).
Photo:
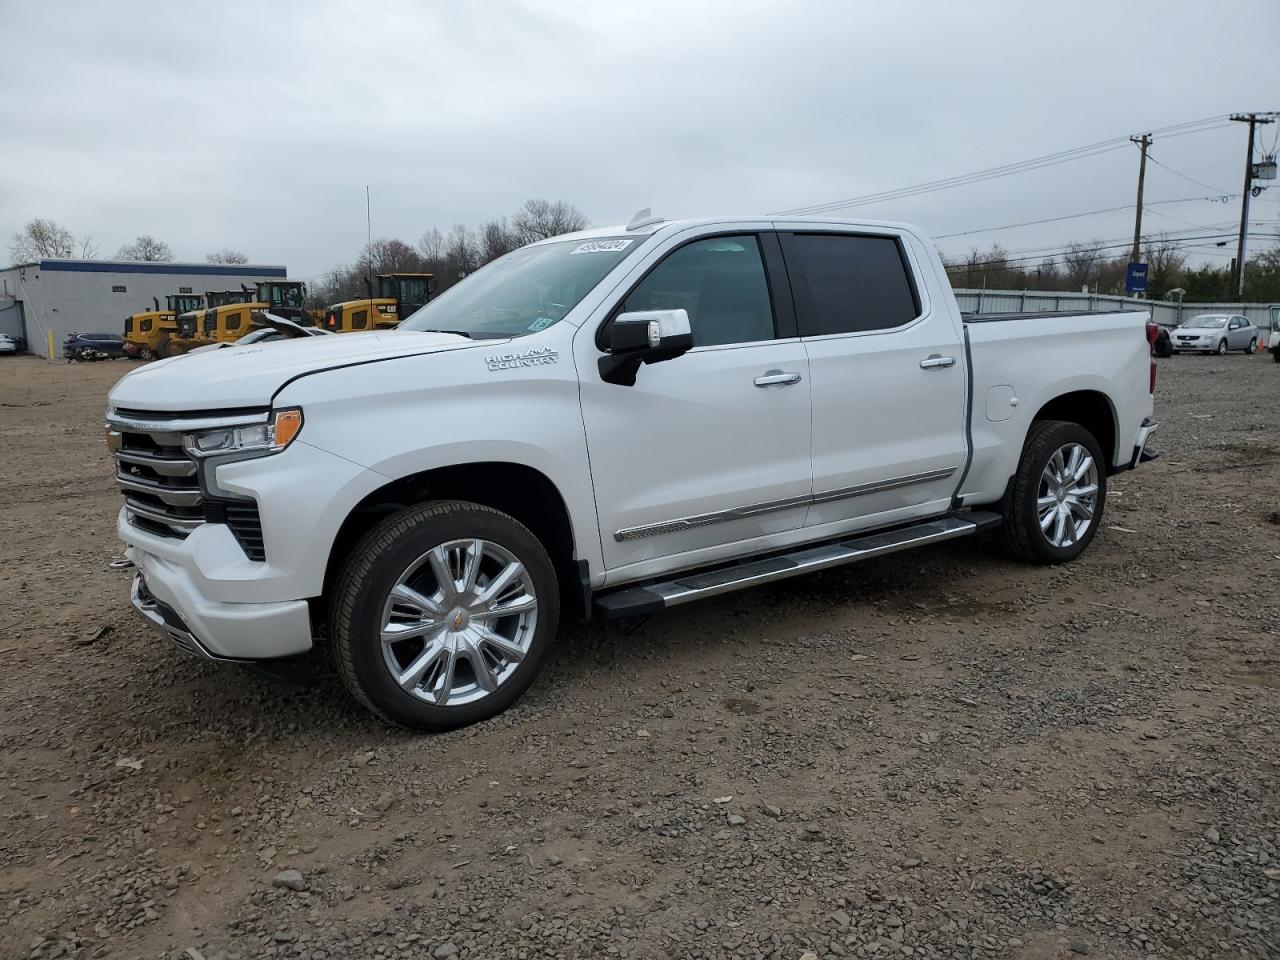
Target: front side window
(233,321)
(848,284)
(145,325)
(720,282)
(525,291)
(359,319)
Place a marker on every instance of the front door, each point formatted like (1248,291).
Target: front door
(709,449)
(888,372)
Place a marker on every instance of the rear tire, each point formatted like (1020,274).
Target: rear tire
(1050,522)
(415,637)
(1253,347)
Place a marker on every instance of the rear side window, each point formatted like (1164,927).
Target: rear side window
(848,284)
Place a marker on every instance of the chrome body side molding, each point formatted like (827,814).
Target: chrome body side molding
(739,513)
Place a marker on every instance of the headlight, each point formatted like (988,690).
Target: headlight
(258,438)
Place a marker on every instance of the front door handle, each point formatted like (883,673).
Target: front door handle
(776,378)
(937,360)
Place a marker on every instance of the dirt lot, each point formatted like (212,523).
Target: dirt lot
(940,754)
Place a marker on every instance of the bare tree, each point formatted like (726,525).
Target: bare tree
(88,249)
(540,219)
(495,239)
(1080,265)
(42,238)
(146,248)
(460,255)
(226,255)
(431,246)
(1165,265)
(389,256)
(1047,275)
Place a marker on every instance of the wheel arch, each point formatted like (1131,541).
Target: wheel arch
(516,489)
(1091,409)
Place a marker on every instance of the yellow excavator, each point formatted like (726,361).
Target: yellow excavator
(151,330)
(399,294)
(228,314)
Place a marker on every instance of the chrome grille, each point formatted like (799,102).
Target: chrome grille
(160,481)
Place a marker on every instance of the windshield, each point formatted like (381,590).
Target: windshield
(1207,323)
(526,291)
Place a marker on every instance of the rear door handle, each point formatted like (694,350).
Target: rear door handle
(776,378)
(937,360)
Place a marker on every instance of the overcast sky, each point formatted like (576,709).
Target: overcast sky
(257,125)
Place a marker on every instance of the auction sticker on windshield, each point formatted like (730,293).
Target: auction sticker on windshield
(601,246)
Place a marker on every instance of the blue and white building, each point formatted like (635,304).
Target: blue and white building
(60,297)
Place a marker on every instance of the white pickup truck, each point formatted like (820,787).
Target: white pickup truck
(615,421)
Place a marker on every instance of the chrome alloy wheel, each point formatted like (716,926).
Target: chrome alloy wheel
(1068,495)
(458,622)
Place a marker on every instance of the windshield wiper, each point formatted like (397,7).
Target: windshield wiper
(460,333)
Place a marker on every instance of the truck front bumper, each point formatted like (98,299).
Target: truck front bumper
(165,597)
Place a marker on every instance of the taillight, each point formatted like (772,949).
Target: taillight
(1153,334)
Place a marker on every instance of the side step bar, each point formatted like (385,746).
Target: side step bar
(652,597)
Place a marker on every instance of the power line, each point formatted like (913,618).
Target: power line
(1005,170)
(1198,183)
(1216,232)
(1098,250)
(1074,216)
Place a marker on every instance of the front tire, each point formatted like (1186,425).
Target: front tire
(442,614)
(1058,495)
(1222,348)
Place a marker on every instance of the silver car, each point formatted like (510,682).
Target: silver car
(1215,333)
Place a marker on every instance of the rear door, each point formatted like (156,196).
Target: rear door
(888,370)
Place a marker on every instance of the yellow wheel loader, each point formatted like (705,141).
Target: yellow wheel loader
(229,314)
(150,330)
(399,294)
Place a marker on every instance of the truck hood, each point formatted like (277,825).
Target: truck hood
(249,376)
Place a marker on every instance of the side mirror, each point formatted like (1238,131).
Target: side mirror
(643,336)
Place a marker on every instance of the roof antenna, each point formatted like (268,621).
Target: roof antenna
(643,218)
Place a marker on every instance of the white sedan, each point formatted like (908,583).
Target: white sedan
(8,344)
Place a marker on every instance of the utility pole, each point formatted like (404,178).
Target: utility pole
(1143,143)
(1253,120)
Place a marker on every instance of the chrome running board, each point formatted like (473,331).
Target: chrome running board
(652,597)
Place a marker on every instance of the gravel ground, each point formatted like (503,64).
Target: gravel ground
(939,754)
